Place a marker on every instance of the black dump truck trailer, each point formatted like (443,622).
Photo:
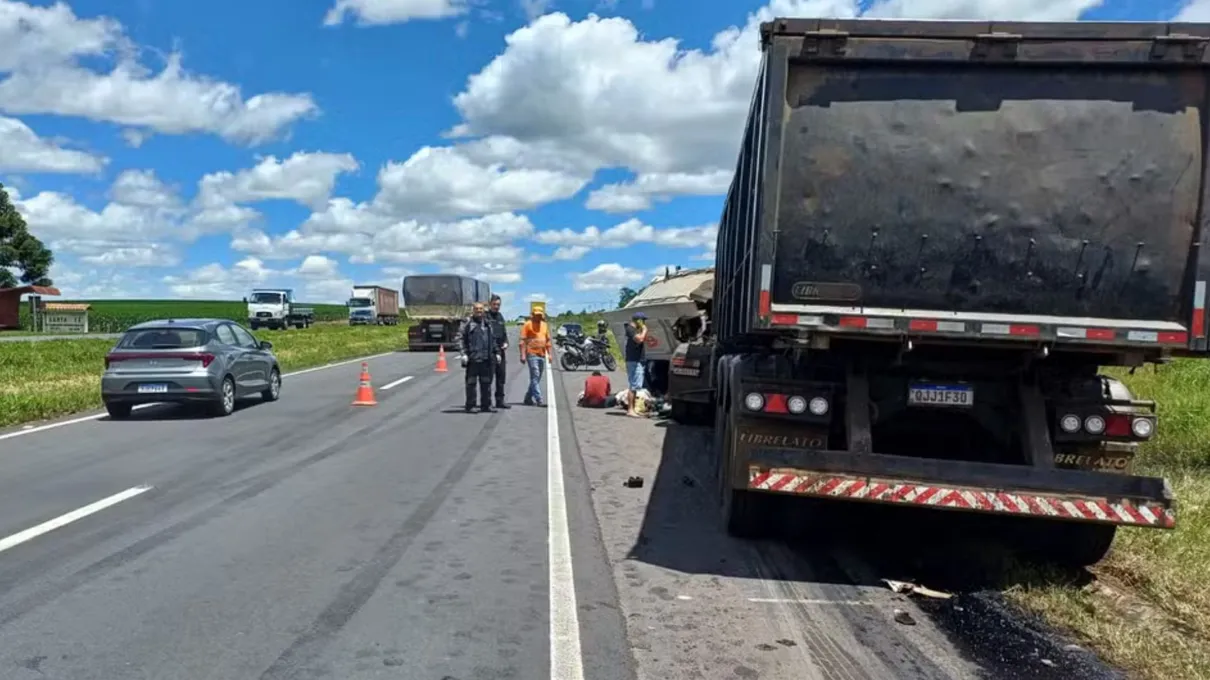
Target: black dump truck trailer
(936,236)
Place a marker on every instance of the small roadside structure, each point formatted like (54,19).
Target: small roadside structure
(10,303)
(63,317)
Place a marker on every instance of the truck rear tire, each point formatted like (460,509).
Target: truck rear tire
(691,412)
(744,513)
(1076,545)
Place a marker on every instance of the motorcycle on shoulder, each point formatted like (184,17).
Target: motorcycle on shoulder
(586,353)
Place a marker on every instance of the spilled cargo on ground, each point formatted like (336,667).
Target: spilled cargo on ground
(936,235)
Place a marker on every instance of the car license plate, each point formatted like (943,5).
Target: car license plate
(152,389)
(962,396)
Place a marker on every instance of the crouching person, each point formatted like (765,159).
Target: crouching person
(598,393)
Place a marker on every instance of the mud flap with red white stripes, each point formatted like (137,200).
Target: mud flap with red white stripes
(1085,508)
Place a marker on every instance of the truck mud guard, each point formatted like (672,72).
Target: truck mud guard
(966,486)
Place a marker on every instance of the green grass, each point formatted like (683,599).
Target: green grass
(1149,608)
(51,378)
(115,316)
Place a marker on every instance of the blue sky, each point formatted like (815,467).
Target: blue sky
(558,148)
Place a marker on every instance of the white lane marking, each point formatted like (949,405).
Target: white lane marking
(63,520)
(566,662)
(97,416)
(781,600)
(334,365)
(397,382)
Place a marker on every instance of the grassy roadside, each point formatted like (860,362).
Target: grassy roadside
(1148,609)
(51,378)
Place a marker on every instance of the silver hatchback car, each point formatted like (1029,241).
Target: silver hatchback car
(203,361)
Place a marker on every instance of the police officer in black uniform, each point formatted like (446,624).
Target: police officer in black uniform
(500,332)
(478,347)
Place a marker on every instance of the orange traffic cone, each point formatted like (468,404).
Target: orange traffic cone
(365,393)
(441,367)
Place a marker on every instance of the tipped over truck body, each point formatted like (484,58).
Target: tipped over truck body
(937,233)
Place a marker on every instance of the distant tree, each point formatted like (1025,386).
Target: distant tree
(20,250)
(625,295)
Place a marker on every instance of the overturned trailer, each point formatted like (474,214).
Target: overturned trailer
(677,305)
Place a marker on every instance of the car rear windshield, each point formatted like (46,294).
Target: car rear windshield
(163,338)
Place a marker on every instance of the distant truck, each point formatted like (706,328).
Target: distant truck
(936,235)
(275,308)
(437,304)
(373,305)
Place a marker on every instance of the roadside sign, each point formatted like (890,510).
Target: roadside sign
(59,317)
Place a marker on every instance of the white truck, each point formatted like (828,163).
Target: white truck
(373,305)
(275,308)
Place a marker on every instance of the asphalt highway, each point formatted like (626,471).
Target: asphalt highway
(307,538)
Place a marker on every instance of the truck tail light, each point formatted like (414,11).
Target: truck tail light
(1110,426)
(792,404)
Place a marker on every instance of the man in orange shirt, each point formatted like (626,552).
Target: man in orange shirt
(535,350)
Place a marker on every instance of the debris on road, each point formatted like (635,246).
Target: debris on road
(634,483)
(904,618)
(906,588)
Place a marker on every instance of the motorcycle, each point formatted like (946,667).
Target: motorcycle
(589,352)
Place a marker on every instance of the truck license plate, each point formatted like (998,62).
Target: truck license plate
(961,396)
(152,389)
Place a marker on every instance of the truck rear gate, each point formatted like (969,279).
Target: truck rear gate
(952,181)
(923,212)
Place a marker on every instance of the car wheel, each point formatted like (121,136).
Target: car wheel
(117,411)
(273,392)
(224,405)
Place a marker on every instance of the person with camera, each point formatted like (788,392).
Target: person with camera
(635,355)
(478,347)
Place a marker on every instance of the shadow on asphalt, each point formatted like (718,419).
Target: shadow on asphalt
(841,545)
(950,550)
(179,412)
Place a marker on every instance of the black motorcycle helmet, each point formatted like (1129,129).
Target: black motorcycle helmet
(601,326)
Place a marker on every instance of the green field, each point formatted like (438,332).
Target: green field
(51,378)
(115,316)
